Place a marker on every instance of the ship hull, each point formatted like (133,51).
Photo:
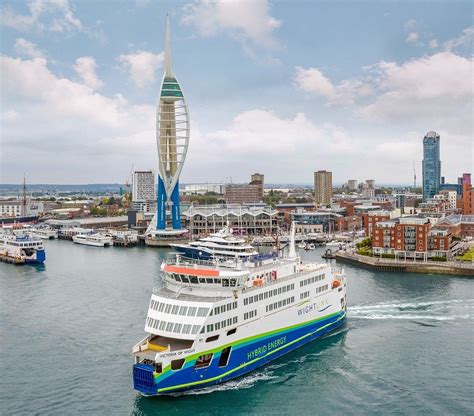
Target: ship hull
(246,356)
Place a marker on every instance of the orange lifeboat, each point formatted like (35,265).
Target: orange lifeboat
(258,282)
(336,283)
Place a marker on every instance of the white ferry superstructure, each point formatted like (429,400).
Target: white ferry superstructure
(21,249)
(213,321)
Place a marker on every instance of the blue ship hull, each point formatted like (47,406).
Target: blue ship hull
(246,355)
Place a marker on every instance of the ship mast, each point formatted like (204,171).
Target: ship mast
(24,196)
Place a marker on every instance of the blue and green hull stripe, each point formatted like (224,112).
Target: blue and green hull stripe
(246,355)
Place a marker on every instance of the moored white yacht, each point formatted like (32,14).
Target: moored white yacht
(212,321)
(97,240)
(222,244)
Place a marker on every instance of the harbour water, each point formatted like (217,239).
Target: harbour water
(68,327)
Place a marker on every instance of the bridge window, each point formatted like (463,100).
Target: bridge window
(194,279)
(183,310)
(177,364)
(202,311)
(195,329)
(192,311)
(186,329)
(175,309)
(185,279)
(202,280)
(177,328)
(203,361)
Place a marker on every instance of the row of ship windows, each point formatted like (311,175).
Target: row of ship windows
(221,325)
(268,294)
(319,289)
(313,279)
(322,288)
(178,310)
(250,314)
(304,295)
(280,304)
(181,278)
(221,309)
(172,327)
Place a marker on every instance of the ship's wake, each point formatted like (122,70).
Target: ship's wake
(444,310)
(244,382)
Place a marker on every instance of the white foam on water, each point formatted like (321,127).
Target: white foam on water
(413,317)
(385,305)
(238,384)
(432,310)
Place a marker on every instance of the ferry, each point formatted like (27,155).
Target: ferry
(96,240)
(213,320)
(222,244)
(21,249)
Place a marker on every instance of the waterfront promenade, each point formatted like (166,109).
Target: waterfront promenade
(457,268)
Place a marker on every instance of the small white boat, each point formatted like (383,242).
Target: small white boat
(310,246)
(44,233)
(302,245)
(333,244)
(96,240)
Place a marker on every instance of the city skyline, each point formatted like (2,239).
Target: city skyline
(319,90)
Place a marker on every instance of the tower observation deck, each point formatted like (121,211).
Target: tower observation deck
(172,137)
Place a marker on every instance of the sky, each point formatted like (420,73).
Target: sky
(284,88)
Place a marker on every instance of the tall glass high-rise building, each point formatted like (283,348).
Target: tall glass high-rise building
(431,165)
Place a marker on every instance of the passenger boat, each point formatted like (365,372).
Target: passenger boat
(215,320)
(45,233)
(21,249)
(222,244)
(97,240)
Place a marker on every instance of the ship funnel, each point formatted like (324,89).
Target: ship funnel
(292,253)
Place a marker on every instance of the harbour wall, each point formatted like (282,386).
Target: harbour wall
(391,265)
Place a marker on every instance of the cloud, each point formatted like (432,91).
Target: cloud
(24,47)
(313,81)
(86,136)
(142,66)
(412,37)
(249,22)
(85,67)
(44,15)
(464,39)
(433,44)
(436,88)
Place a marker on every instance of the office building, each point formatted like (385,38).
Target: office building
(242,194)
(431,165)
(258,179)
(323,187)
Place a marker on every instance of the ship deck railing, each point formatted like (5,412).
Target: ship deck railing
(217,263)
(170,294)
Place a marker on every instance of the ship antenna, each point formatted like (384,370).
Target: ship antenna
(292,252)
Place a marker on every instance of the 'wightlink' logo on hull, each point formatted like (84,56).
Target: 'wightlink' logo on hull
(319,306)
(266,348)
